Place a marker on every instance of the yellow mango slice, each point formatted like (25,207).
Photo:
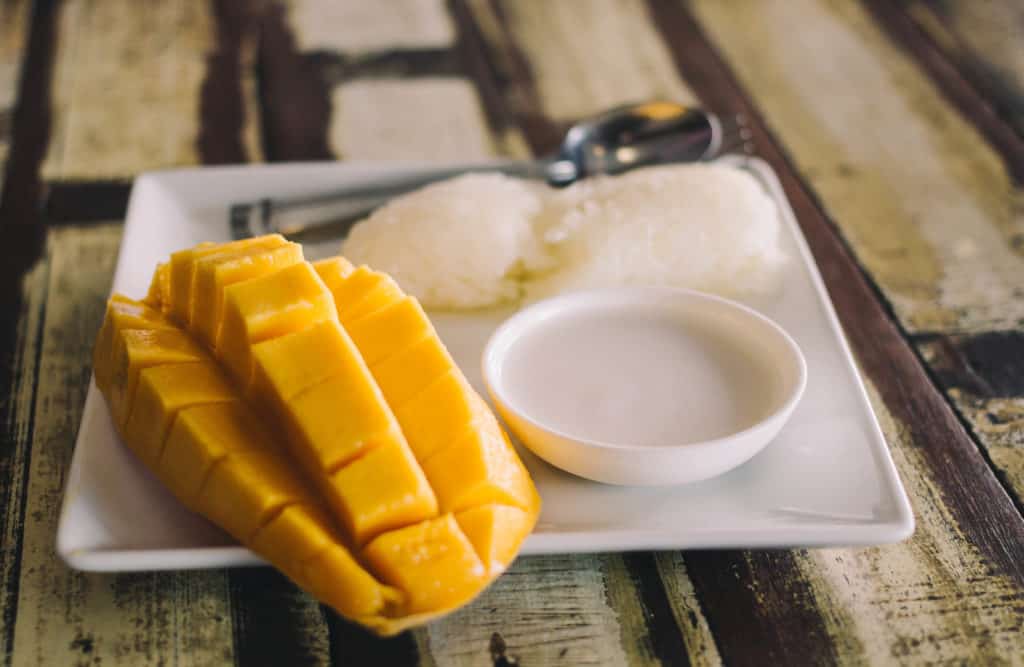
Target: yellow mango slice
(295,535)
(288,365)
(183,269)
(159,285)
(203,435)
(138,349)
(213,273)
(337,420)
(496,531)
(440,413)
(179,279)
(389,330)
(382,490)
(335,577)
(273,305)
(122,313)
(477,469)
(244,491)
(333,270)
(432,562)
(362,292)
(404,375)
(162,392)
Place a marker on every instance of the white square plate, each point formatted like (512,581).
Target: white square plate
(827,479)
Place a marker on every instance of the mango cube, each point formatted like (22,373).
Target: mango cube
(389,330)
(203,435)
(432,562)
(179,279)
(158,286)
(333,270)
(290,364)
(335,577)
(246,489)
(404,375)
(440,414)
(296,535)
(476,469)
(273,305)
(496,531)
(162,392)
(215,272)
(122,313)
(339,419)
(138,349)
(382,490)
(363,292)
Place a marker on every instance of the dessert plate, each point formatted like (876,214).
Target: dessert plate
(826,479)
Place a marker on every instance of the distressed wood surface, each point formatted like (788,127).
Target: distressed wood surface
(985,40)
(14,27)
(922,193)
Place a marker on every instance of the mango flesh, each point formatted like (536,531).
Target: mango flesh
(283,302)
(432,561)
(347,448)
(221,459)
(138,349)
(215,272)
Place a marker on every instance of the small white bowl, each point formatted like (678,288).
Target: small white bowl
(561,377)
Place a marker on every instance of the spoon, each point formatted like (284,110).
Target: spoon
(615,141)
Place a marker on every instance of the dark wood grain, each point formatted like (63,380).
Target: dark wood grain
(20,306)
(74,202)
(963,86)
(352,644)
(294,95)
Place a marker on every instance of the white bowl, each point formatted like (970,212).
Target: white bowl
(736,378)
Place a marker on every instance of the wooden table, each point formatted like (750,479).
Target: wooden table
(897,127)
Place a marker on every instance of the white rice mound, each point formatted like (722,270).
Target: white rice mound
(457,244)
(701,226)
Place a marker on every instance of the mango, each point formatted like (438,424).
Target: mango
(477,469)
(203,435)
(213,273)
(381,490)
(282,302)
(362,292)
(122,313)
(330,432)
(440,413)
(333,270)
(162,392)
(389,330)
(138,349)
(432,562)
(406,374)
(496,532)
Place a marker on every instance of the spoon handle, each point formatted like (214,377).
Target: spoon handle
(330,215)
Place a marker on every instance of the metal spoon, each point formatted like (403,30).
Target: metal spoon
(613,142)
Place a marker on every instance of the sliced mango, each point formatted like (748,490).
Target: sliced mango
(162,392)
(477,469)
(496,532)
(389,330)
(138,349)
(203,435)
(213,273)
(122,313)
(404,375)
(432,562)
(362,292)
(333,270)
(340,431)
(273,305)
(382,490)
(245,490)
(159,285)
(440,413)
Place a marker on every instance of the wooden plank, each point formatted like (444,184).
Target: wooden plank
(65,616)
(370,27)
(982,39)
(127,86)
(14,28)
